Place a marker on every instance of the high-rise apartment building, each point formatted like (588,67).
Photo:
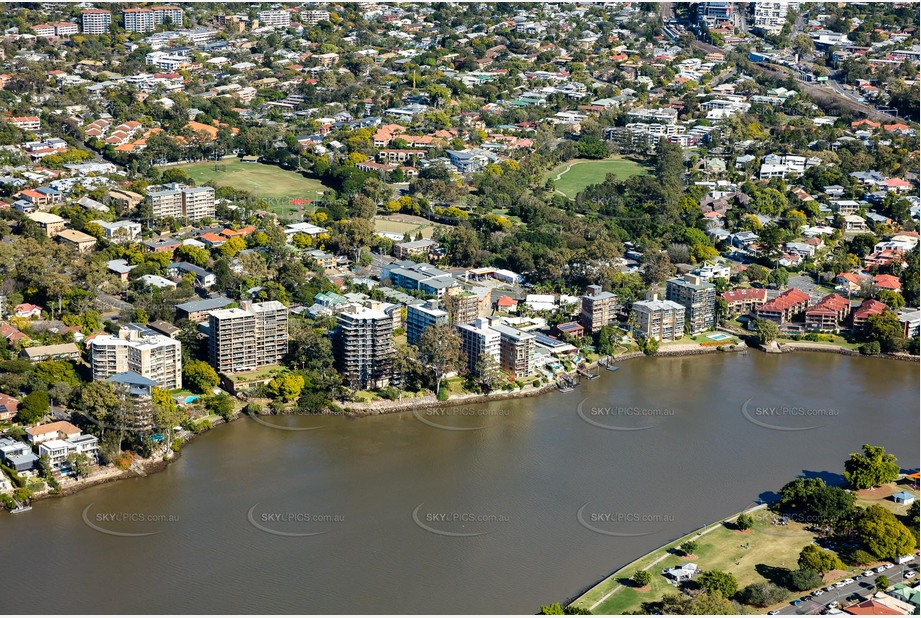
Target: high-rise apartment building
(770,17)
(274,19)
(96,21)
(141,350)
(662,320)
(516,350)
(180,201)
(147,19)
(363,348)
(312,18)
(251,336)
(697,298)
(422,316)
(478,339)
(463,307)
(599,309)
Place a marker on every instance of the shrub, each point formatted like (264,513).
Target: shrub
(124,460)
(762,594)
(803,579)
(390,392)
(176,446)
(862,557)
(870,348)
(536,383)
(443,394)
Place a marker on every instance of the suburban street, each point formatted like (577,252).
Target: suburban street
(862,587)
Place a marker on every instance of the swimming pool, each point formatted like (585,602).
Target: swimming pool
(718,336)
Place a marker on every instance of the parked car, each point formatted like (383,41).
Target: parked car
(773,612)
(909,574)
(818,593)
(848,581)
(868,573)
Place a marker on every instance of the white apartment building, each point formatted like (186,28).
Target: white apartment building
(119,231)
(770,17)
(478,339)
(181,201)
(140,350)
(275,19)
(96,21)
(254,335)
(312,18)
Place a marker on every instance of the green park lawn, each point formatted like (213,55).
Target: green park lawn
(268,182)
(748,555)
(573,176)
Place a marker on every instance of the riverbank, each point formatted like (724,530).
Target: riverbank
(157,464)
(383,406)
(602,593)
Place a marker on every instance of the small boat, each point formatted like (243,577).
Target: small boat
(611,367)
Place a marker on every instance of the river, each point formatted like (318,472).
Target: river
(393,514)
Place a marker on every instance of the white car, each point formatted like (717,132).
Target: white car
(868,573)
(839,585)
(887,566)
(832,605)
(818,593)
(880,569)
(773,612)
(848,581)
(909,574)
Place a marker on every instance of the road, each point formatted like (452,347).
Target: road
(863,587)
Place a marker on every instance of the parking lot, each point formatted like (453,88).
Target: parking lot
(850,590)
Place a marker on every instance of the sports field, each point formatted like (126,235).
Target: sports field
(273,184)
(573,176)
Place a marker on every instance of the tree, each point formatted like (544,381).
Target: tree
(286,387)
(883,535)
(757,272)
(166,414)
(816,559)
(882,583)
(79,463)
(98,399)
(745,521)
(719,581)
(34,407)
(233,246)
(220,404)
(762,594)
(871,468)
(767,330)
(488,373)
(656,267)
(887,330)
(641,578)
(804,579)
(558,610)
(440,352)
(688,547)
(200,376)
(705,604)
